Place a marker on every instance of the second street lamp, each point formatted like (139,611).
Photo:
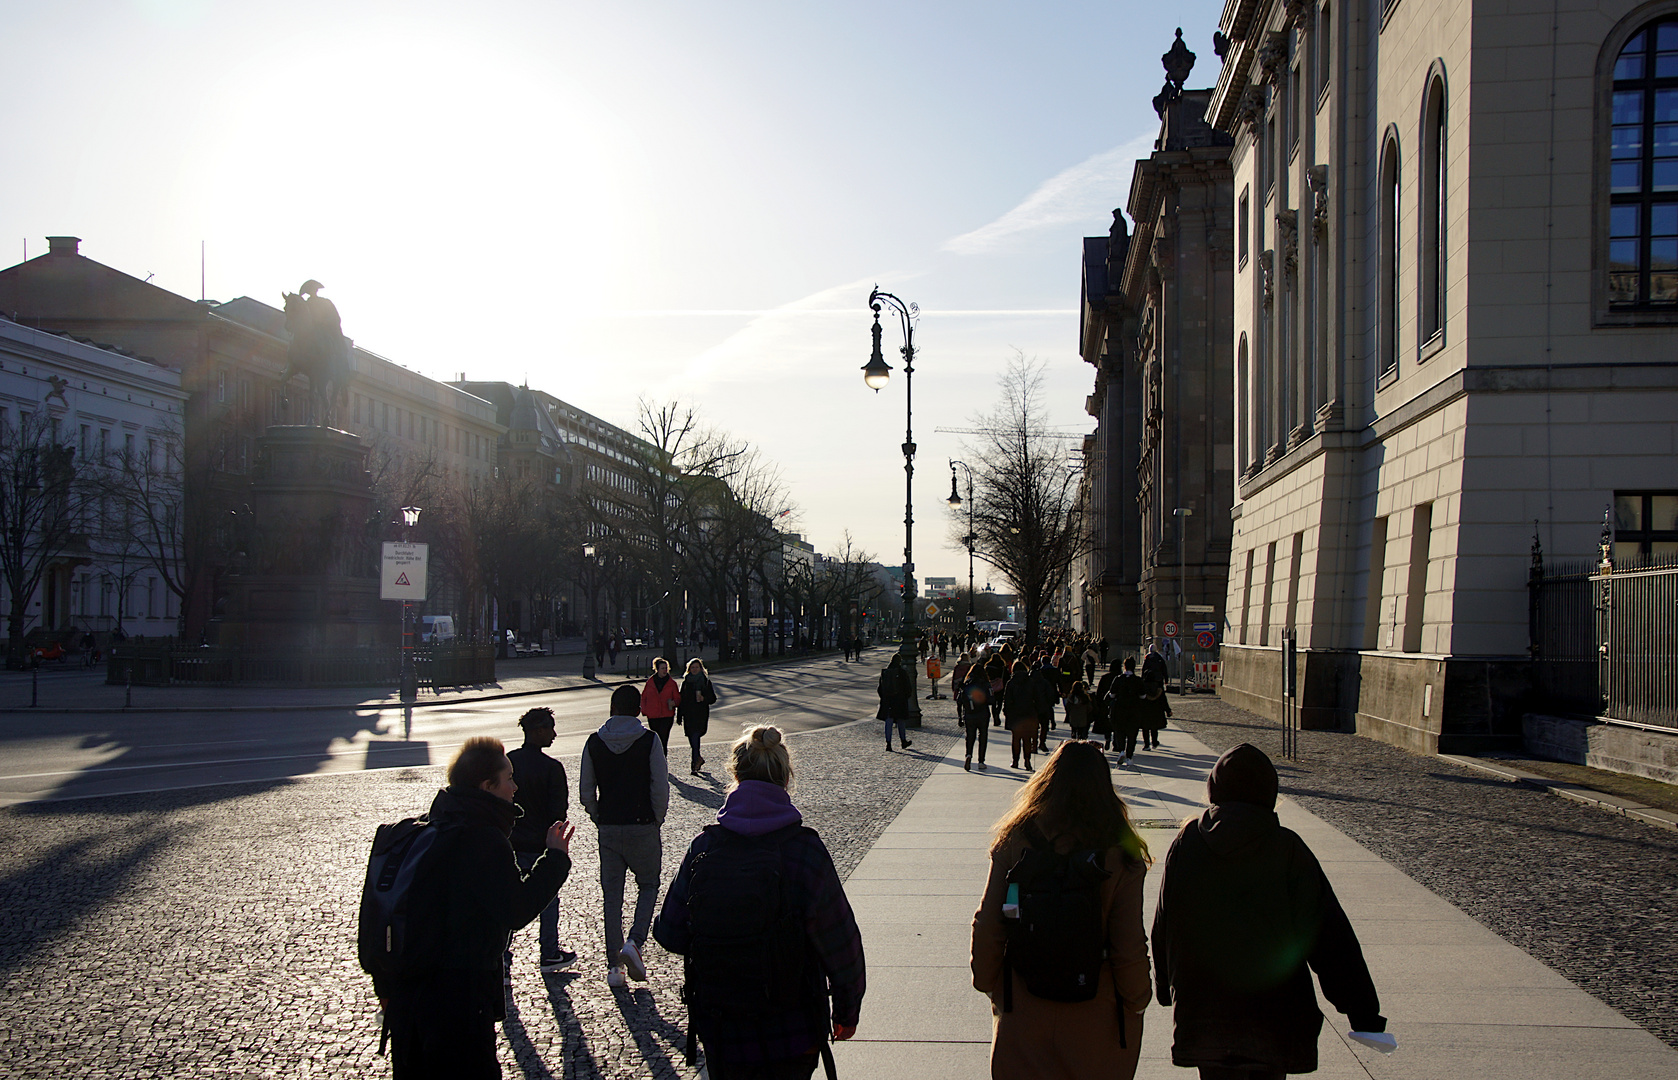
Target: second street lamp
(875,374)
(955,502)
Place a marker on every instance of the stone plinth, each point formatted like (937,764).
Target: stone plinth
(310,570)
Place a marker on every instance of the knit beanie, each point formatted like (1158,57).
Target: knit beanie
(1244,775)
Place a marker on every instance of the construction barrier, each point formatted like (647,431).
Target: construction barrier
(1206,675)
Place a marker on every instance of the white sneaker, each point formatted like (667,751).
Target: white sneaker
(615,978)
(1127,759)
(630,957)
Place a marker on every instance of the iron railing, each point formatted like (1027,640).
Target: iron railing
(1604,639)
(174,665)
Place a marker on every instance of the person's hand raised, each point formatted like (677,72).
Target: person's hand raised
(559,836)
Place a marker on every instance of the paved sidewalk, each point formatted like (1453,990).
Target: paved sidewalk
(1461,1000)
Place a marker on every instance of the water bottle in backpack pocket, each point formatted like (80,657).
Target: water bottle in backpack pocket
(1057,943)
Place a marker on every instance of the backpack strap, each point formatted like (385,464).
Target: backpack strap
(827,1061)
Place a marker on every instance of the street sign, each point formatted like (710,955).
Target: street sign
(1205,640)
(1205,626)
(1199,609)
(402,571)
(1170,629)
(932,611)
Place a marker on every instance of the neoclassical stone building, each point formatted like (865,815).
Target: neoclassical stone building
(1156,327)
(1455,324)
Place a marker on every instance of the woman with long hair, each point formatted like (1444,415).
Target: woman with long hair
(694,710)
(758,991)
(1068,817)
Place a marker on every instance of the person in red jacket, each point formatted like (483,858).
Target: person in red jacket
(659,701)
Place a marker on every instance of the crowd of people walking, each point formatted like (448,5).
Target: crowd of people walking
(773,964)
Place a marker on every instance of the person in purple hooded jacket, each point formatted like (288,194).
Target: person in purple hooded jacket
(755,1039)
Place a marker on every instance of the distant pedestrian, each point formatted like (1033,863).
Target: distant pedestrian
(1020,703)
(1152,712)
(758,912)
(1125,708)
(1043,680)
(1091,659)
(1153,664)
(1245,915)
(1057,940)
(624,786)
(600,650)
(694,713)
(612,646)
(544,796)
(442,1017)
(1078,709)
(895,688)
(845,643)
(659,699)
(943,648)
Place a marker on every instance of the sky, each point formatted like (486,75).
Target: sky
(625,201)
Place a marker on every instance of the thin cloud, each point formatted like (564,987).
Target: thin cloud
(1085,192)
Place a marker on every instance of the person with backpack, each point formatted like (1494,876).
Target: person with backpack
(1079,705)
(659,700)
(624,786)
(1127,708)
(544,797)
(1020,702)
(694,712)
(895,688)
(1153,708)
(433,931)
(1245,915)
(1057,940)
(767,936)
(1044,679)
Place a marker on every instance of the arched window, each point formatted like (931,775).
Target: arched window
(1430,248)
(1386,300)
(1244,399)
(1643,171)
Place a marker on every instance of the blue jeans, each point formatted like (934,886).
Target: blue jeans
(902,735)
(547,929)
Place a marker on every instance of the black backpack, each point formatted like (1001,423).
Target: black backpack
(747,954)
(1058,942)
(386,937)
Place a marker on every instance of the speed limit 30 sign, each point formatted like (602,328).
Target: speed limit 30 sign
(1170,629)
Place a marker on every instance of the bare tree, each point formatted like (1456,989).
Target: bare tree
(41,514)
(1027,519)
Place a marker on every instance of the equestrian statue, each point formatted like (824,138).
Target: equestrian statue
(319,350)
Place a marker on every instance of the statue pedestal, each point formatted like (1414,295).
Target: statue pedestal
(310,574)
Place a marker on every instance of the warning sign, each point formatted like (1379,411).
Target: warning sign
(402,571)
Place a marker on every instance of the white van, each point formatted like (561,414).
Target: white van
(436,628)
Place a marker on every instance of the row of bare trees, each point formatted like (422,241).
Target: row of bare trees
(1028,519)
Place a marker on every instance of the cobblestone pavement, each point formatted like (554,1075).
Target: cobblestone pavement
(210,932)
(1591,894)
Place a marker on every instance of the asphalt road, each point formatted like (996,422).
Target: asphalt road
(50,756)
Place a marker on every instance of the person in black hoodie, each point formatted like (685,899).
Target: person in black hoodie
(470,896)
(1245,915)
(544,797)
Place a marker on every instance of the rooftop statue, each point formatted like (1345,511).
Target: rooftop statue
(319,349)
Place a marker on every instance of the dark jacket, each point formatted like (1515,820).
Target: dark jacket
(543,794)
(694,712)
(1103,710)
(757,808)
(1245,915)
(1021,703)
(1124,707)
(1152,711)
(470,896)
(894,689)
(1043,681)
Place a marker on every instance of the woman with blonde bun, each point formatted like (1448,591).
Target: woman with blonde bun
(767,936)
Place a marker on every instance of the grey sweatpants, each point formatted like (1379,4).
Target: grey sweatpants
(639,849)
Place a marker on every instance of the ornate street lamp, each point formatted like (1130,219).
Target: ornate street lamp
(875,374)
(955,503)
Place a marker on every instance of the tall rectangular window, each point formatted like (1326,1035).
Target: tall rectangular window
(1247,599)
(1645,523)
(1325,52)
(1377,579)
(1415,600)
(1291,617)
(1643,170)
(1386,301)
(1243,227)
(1430,254)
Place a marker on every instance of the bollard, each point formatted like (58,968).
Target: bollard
(34,685)
(128,689)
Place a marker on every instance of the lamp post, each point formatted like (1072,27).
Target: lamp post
(955,501)
(408,680)
(875,374)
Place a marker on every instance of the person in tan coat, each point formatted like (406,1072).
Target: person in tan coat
(1069,807)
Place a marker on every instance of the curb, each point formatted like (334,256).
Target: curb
(1614,804)
(597,684)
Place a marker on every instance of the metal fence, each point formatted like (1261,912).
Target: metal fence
(176,665)
(1604,639)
